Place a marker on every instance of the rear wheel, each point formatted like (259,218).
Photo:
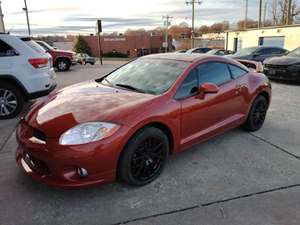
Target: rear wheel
(144,157)
(63,64)
(11,101)
(257,114)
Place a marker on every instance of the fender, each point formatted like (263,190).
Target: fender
(13,79)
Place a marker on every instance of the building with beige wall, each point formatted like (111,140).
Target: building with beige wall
(287,37)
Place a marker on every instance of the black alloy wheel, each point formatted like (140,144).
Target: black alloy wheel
(257,115)
(144,157)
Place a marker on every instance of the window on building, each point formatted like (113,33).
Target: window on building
(213,72)
(189,86)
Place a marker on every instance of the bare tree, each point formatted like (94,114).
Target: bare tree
(280,12)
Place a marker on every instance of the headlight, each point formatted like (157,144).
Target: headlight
(88,132)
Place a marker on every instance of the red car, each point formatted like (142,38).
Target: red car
(126,124)
(62,59)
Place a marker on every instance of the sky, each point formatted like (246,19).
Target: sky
(79,16)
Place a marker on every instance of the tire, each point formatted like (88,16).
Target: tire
(11,101)
(63,64)
(92,63)
(139,163)
(257,114)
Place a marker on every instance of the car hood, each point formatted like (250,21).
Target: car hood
(86,102)
(63,51)
(282,61)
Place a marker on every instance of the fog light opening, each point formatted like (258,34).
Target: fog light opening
(82,173)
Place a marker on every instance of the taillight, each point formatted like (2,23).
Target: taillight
(38,62)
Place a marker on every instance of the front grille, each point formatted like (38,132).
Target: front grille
(39,134)
(37,165)
(281,67)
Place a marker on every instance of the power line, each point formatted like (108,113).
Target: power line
(167,23)
(193,2)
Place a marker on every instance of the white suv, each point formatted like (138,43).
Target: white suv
(26,72)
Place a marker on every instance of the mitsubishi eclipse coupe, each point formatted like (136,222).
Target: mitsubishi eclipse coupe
(125,125)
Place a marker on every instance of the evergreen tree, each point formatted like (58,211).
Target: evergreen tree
(82,46)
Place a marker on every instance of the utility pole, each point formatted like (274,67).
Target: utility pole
(260,14)
(193,2)
(167,23)
(27,17)
(265,13)
(246,14)
(2,27)
(289,12)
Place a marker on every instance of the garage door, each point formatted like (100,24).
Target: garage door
(272,41)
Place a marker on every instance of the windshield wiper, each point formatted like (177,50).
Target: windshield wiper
(127,86)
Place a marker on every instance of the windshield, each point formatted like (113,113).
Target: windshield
(295,52)
(245,51)
(45,45)
(154,76)
(212,52)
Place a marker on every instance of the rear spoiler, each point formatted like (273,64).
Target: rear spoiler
(252,65)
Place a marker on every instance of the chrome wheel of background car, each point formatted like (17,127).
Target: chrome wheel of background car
(8,102)
(147,159)
(62,65)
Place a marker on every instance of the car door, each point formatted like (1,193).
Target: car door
(201,117)
(242,91)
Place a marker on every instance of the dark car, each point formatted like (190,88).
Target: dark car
(259,53)
(198,50)
(284,67)
(219,52)
(84,58)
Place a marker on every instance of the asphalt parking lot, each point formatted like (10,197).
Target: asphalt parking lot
(236,178)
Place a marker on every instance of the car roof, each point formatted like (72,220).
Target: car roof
(261,47)
(184,57)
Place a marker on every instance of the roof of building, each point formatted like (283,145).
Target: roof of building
(264,28)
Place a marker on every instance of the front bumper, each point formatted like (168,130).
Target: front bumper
(57,165)
(281,74)
(38,94)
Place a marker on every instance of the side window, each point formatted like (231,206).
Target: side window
(189,86)
(278,51)
(6,50)
(265,51)
(214,72)
(236,71)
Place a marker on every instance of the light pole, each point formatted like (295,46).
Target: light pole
(193,2)
(260,14)
(167,23)
(246,14)
(2,27)
(27,17)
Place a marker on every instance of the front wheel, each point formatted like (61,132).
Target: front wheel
(144,157)
(257,114)
(63,64)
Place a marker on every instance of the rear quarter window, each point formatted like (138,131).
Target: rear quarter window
(236,71)
(33,45)
(6,50)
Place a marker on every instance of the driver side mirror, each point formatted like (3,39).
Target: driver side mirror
(209,88)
